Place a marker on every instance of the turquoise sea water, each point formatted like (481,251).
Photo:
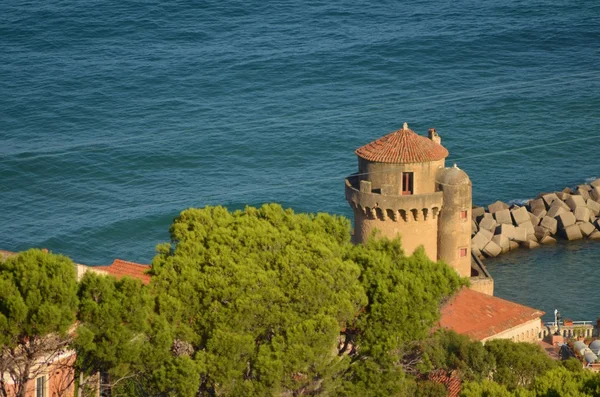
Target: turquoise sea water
(116,116)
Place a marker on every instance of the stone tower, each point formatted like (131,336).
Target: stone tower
(402,188)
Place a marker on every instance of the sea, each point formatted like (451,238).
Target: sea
(116,116)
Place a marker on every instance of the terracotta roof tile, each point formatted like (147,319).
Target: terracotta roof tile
(120,268)
(480,316)
(402,146)
(451,380)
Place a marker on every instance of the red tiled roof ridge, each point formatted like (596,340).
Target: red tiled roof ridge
(402,146)
(450,379)
(480,316)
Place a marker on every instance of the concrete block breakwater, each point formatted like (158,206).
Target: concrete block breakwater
(570,214)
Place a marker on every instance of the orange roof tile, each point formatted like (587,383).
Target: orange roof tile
(480,316)
(402,146)
(120,268)
(451,380)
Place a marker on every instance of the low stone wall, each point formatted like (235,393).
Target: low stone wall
(570,214)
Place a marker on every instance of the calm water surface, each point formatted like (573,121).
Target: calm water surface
(115,117)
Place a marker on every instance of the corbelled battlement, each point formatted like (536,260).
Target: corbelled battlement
(384,204)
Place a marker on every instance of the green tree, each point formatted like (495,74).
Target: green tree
(112,321)
(518,364)
(451,351)
(261,296)
(404,296)
(485,388)
(38,303)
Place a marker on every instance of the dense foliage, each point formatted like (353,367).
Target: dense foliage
(38,305)
(268,302)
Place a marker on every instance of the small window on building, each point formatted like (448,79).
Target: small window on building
(407,183)
(40,386)
(463,215)
(462,252)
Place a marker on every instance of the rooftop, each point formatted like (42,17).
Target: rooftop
(481,316)
(402,146)
(120,268)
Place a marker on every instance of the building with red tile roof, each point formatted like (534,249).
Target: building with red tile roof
(483,317)
(120,268)
(451,380)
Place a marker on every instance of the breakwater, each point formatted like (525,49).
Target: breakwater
(570,214)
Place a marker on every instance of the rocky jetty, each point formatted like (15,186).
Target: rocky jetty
(570,214)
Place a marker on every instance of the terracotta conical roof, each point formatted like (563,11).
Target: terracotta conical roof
(402,146)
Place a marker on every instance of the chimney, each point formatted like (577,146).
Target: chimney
(433,135)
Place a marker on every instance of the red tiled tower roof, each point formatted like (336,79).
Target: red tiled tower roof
(402,146)
(480,316)
(120,268)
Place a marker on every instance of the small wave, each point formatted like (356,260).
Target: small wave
(590,179)
(520,202)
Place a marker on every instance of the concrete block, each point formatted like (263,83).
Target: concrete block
(555,210)
(492,249)
(565,220)
(474,228)
(595,193)
(575,201)
(568,190)
(528,226)
(586,228)
(541,232)
(475,250)
(497,206)
(536,204)
(534,219)
(503,242)
(595,183)
(477,212)
(549,199)
(520,234)
(514,206)
(506,230)
(550,224)
(481,239)
(503,217)
(572,232)
(597,223)
(595,235)
(488,224)
(530,244)
(587,188)
(563,195)
(548,240)
(583,193)
(520,215)
(486,215)
(593,206)
(513,245)
(539,212)
(582,214)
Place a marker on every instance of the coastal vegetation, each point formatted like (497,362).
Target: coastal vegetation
(264,301)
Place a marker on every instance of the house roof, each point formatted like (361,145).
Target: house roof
(120,268)
(451,380)
(6,254)
(402,146)
(481,316)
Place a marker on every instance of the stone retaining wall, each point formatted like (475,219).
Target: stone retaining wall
(570,214)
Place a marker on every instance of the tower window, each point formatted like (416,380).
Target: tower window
(462,252)
(463,215)
(407,183)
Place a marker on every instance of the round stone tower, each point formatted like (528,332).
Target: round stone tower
(454,222)
(402,188)
(395,189)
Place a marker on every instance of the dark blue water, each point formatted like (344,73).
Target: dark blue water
(116,116)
